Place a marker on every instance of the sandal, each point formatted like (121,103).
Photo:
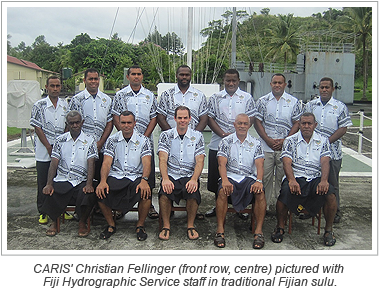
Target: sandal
(106,234)
(51,232)
(278,235)
(141,234)
(219,240)
(152,214)
(166,233)
(200,216)
(190,233)
(329,238)
(258,241)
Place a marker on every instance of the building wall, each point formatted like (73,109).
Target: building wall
(17,72)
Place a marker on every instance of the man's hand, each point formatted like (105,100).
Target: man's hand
(102,189)
(191,186)
(88,189)
(167,186)
(257,187)
(145,189)
(295,188)
(323,187)
(277,146)
(227,187)
(48,190)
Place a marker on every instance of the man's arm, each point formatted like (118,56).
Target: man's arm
(203,120)
(104,172)
(261,131)
(215,127)
(150,127)
(167,185)
(323,186)
(257,187)
(161,120)
(107,131)
(192,184)
(293,184)
(89,188)
(116,121)
(143,185)
(337,134)
(227,186)
(41,135)
(48,189)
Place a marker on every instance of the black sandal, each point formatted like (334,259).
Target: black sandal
(258,241)
(278,235)
(106,234)
(329,238)
(219,240)
(141,234)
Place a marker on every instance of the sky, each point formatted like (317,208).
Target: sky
(62,21)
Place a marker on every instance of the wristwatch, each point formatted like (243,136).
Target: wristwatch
(145,178)
(259,180)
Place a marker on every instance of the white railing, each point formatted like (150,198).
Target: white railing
(361,129)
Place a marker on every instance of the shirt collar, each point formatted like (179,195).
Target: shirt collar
(315,137)
(88,94)
(133,137)
(142,90)
(238,92)
(81,137)
(187,134)
(331,100)
(177,90)
(236,139)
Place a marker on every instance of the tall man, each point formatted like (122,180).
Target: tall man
(124,175)
(276,117)
(306,157)
(183,94)
(95,108)
(241,162)
(71,173)
(143,104)
(48,120)
(224,106)
(181,154)
(333,119)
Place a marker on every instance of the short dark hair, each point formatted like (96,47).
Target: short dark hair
(128,113)
(278,75)
(181,108)
(182,66)
(52,78)
(90,70)
(327,79)
(133,67)
(231,72)
(308,114)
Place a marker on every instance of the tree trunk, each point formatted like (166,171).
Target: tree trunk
(365,69)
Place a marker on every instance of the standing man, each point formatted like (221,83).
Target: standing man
(306,158)
(224,106)
(183,94)
(333,119)
(143,104)
(48,120)
(124,175)
(71,173)
(276,117)
(181,153)
(241,167)
(95,108)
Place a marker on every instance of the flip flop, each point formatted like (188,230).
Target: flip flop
(166,233)
(141,234)
(219,240)
(51,232)
(190,233)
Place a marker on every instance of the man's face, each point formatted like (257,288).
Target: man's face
(127,123)
(135,77)
(183,77)
(278,85)
(74,125)
(53,88)
(242,125)
(307,126)
(92,82)
(325,90)
(182,119)
(231,83)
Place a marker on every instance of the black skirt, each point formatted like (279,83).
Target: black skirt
(241,196)
(180,191)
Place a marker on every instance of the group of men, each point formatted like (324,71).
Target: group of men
(296,158)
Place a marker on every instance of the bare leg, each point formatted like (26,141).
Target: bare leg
(259,210)
(143,208)
(165,209)
(221,211)
(191,208)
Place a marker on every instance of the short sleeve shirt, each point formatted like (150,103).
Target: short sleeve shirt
(193,98)
(143,105)
(330,117)
(240,156)
(127,156)
(224,108)
(73,156)
(277,116)
(181,153)
(306,157)
(96,112)
(52,122)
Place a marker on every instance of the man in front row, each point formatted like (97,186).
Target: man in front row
(124,176)
(306,159)
(181,158)
(71,173)
(241,168)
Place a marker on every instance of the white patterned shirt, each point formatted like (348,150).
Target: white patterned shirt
(143,105)
(277,116)
(182,153)
(224,108)
(52,122)
(127,156)
(193,98)
(240,156)
(330,117)
(306,157)
(96,112)
(73,156)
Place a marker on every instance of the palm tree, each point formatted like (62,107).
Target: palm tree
(283,39)
(360,19)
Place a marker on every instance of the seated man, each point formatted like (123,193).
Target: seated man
(181,158)
(124,176)
(239,156)
(70,175)
(306,158)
